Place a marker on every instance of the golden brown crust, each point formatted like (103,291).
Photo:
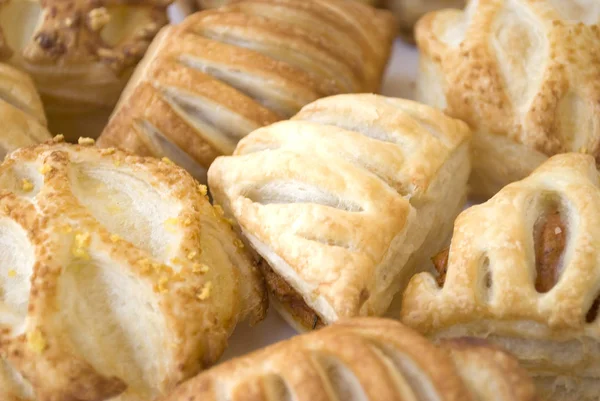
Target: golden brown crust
(186,279)
(525,75)
(532,289)
(333,198)
(223,73)
(374,359)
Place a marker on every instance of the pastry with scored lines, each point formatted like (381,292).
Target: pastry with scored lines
(344,201)
(523,272)
(118,278)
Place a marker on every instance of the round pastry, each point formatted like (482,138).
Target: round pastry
(204,4)
(79,53)
(408,12)
(21,111)
(364,359)
(223,73)
(118,278)
(524,74)
(523,271)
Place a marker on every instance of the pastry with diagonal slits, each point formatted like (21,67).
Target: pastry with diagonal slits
(80,53)
(345,200)
(524,74)
(223,73)
(118,279)
(523,271)
(21,111)
(365,359)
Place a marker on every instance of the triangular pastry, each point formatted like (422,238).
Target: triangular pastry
(21,111)
(80,53)
(523,272)
(223,73)
(345,200)
(118,279)
(365,359)
(525,76)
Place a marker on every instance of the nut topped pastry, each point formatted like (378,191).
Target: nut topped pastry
(345,201)
(523,272)
(119,279)
(524,74)
(365,359)
(21,111)
(79,52)
(223,73)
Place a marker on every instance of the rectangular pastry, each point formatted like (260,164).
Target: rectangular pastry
(223,73)
(345,200)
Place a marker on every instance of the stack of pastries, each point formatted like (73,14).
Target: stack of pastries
(123,276)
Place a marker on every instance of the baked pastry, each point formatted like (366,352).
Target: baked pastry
(223,73)
(118,279)
(345,201)
(364,359)
(79,53)
(523,273)
(204,4)
(524,74)
(21,111)
(408,12)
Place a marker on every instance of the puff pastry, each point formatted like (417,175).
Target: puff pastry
(523,272)
(118,279)
(345,200)
(408,12)
(223,73)
(364,359)
(80,53)
(524,74)
(21,111)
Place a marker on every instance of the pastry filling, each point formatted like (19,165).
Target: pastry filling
(290,299)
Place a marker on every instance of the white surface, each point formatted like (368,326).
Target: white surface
(399,82)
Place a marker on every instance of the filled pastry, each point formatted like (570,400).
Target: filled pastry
(21,111)
(118,278)
(408,12)
(365,359)
(345,201)
(523,272)
(223,73)
(79,53)
(524,74)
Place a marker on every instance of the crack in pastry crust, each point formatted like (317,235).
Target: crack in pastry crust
(539,239)
(343,202)
(223,73)
(524,74)
(366,359)
(119,280)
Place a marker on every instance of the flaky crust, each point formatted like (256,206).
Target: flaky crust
(80,53)
(525,75)
(490,287)
(342,200)
(21,111)
(367,359)
(119,280)
(223,73)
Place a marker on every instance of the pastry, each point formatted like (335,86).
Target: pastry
(524,74)
(223,73)
(118,278)
(523,272)
(204,4)
(364,359)
(21,111)
(79,53)
(408,12)
(345,200)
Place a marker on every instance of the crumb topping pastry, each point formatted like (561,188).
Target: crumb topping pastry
(98,300)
